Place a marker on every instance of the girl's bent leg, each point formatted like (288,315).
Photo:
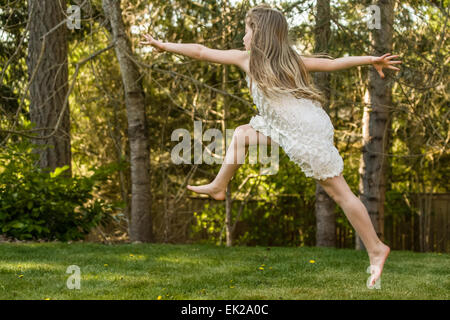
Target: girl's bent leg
(355,211)
(243,137)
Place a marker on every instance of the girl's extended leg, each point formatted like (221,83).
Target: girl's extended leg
(338,189)
(243,136)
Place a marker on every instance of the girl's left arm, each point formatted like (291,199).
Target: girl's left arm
(328,65)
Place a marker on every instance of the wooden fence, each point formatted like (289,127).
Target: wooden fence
(425,228)
(422,225)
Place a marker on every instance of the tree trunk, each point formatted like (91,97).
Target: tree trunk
(325,205)
(140,228)
(228,198)
(376,124)
(48,76)
(225,10)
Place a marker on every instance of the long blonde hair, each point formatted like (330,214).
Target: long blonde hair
(274,64)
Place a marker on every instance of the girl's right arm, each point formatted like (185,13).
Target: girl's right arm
(200,52)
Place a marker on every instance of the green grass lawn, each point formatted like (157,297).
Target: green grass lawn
(152,271)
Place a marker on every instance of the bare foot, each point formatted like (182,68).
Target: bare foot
(377,259)
(209,189)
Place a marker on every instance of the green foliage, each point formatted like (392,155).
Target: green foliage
(209,223)
(99,126)
(282,222)
(396,204)
(274,220)
(35,204)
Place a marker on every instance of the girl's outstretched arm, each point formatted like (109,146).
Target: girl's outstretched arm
(200,52)
(327,65)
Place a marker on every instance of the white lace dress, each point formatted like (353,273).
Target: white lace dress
(302,128)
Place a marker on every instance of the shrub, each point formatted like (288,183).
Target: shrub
(37,204)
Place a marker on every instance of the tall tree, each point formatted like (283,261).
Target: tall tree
(48,76)
(140,226)
(325,205)
(376,124)
(225,13)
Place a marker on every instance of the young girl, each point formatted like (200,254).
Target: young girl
(290,112)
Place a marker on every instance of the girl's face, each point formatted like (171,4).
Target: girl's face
(248,37)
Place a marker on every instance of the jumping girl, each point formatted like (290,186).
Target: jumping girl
(290,112)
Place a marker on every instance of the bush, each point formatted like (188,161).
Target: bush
(284,222)
(35,204)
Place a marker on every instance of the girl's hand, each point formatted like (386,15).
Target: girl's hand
(155,43)
(384,62)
